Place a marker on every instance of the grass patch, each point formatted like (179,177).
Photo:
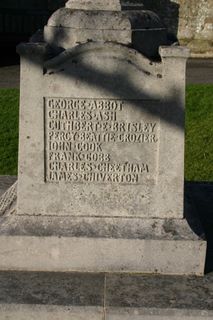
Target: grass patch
(199,132)
(9,101)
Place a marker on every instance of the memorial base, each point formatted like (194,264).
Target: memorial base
(67,244)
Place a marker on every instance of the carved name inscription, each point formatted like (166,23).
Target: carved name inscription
(98,141)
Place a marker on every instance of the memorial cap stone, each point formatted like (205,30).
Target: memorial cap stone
(77,23)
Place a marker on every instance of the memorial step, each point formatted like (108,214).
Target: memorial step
(85,296)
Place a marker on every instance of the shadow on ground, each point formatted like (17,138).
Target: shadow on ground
(199,197)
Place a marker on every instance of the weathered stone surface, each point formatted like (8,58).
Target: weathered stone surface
(138,297)
(99,255)
(156,175)
(160,292)
(98,245)
(63,38)
(74,238)
(35,312)
(146,229)
(143,30)
(157,314)
(51,296)
(198,198)
(101,144)
(56,296)
(71,244)
(111,5)
(15,227)
(80,19)
(62,289)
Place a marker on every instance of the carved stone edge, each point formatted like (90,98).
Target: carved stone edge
(8,199)
(174,52)
(138,58)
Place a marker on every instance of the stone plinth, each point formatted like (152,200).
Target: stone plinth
(100,245)
(68,244)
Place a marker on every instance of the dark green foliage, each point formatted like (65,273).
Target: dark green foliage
(9,101)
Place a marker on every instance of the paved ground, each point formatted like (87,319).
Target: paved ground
(9,76)
(78,296)
(198,71)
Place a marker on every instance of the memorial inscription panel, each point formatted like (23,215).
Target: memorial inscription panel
(107,141)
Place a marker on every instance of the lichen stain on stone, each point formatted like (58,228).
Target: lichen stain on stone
(169,228)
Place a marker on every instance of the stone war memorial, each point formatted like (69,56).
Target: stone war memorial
(100,189)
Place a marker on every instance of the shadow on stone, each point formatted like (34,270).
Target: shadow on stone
(114,83)
(167,10)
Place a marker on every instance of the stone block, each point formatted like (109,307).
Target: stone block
(158,298)
(157,314)
(139,136)
(29,296)
(34,312)
(100,245)
(111,5)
